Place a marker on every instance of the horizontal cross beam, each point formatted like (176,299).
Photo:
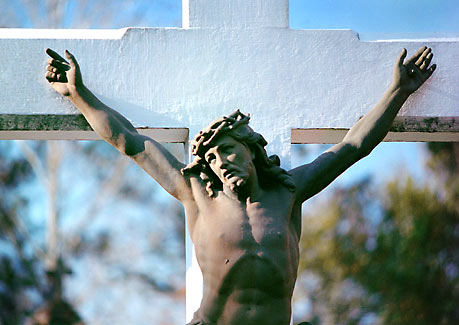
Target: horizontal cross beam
(229,55)
(404,129)
(71,127)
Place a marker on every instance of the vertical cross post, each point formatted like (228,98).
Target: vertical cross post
(235,14)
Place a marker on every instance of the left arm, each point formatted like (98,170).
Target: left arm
(367,132)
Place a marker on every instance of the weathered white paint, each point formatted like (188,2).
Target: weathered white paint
(185,77)
(172,77)
(230,54)
(45,34)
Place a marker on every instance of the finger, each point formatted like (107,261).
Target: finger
(430,71)
(423,56)
(51,76)
(72,60)
(401,57)
(55,55)
(61,77)
(417,54)
(51,68)
(59,64)
(426,62)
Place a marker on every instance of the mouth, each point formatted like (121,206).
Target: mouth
(233,178)
(228,173)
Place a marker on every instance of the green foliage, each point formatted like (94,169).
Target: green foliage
(391,253)
(18,268)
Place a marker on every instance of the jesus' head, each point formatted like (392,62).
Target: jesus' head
(229,153)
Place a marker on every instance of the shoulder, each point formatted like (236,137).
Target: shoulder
(313,177)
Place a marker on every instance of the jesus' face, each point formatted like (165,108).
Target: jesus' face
(231,161)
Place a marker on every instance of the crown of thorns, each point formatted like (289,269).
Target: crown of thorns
(220,126)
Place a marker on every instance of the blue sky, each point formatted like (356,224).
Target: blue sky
(367,17)
(377,16)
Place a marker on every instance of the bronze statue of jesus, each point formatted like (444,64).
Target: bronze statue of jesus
(243,209)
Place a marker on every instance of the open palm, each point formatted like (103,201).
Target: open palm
(410,75)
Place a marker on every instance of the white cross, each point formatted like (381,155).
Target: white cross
(298,85)
(230,54)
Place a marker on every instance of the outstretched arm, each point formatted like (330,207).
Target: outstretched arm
(65,77)
(408,76)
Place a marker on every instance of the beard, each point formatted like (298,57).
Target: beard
(236,183)
(235,178)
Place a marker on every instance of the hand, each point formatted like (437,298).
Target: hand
(410,75)
(63,76)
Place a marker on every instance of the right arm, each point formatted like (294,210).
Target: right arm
(369,131)
(65,78)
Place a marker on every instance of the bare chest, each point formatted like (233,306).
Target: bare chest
(258,226)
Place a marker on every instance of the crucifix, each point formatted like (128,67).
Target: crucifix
(242,55)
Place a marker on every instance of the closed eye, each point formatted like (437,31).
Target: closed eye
(210,158)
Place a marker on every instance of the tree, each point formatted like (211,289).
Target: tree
(88,237)
(18,267)
(388,256)
(106,234)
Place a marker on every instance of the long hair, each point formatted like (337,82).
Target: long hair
(236,125)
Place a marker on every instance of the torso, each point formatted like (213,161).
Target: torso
(248,254)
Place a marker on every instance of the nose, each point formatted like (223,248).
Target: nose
(221,160)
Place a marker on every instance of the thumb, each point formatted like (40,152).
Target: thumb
(72,60)
(401,57)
